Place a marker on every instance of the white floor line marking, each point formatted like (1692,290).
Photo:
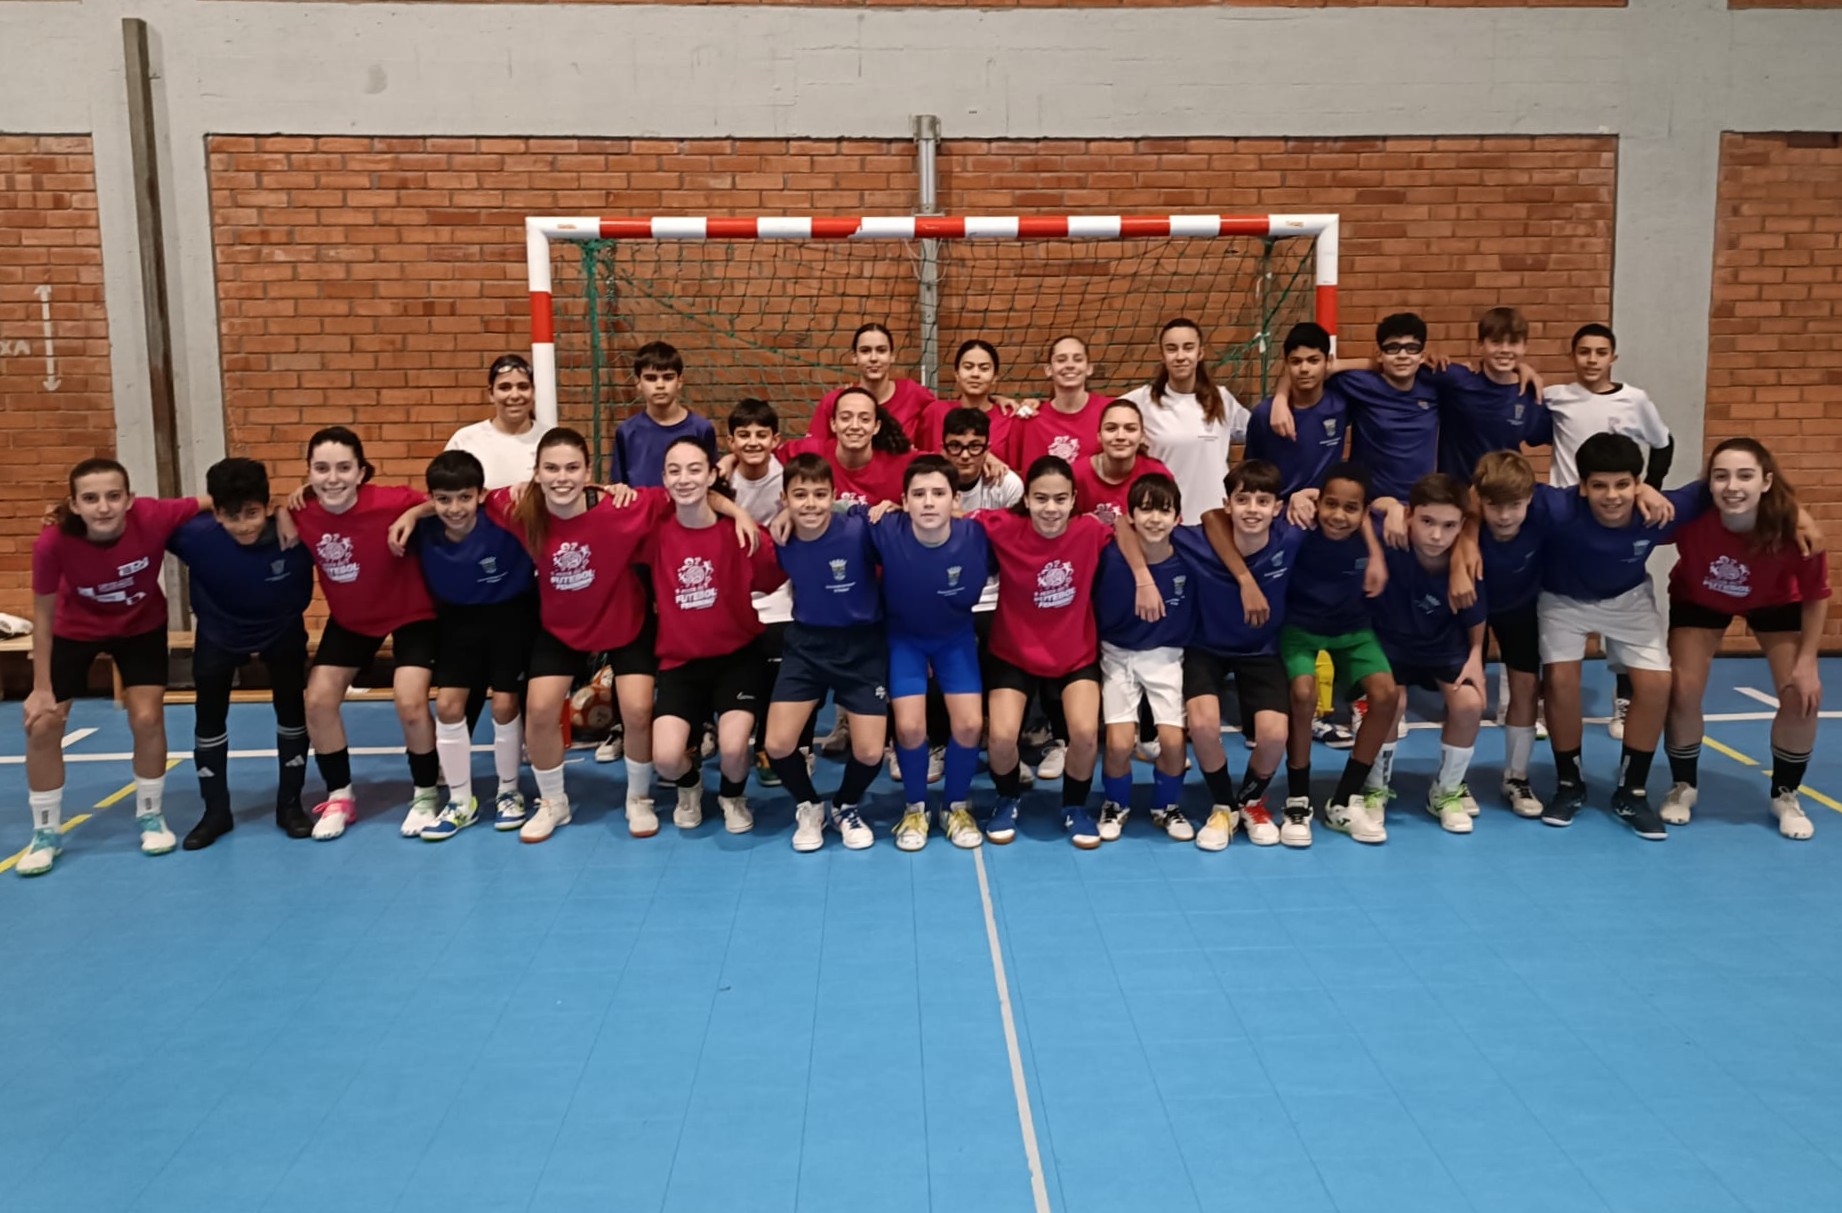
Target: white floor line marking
(74,736)
(1038,1188)
(1761,696)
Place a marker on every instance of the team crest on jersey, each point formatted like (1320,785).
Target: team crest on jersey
(1066,446)
(1430,604)
(850,498)
(570,568)
(695,591)
(1330,427)
(489,570)
(277,569)
(1640,547)
(1728,576)
(131,568)
(953,575)
(1055,585)
(839,568)
(1424,404)
(1520,407)
(1107,512)
(1177,583)
(334,552)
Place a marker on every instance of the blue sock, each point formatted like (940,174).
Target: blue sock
(962,764)
(1168,789)
(914,772)
(1118,788)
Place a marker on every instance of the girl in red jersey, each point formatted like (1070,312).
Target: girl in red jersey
(370,593)
(96,589)
(1102,480)
(975,374)
(710,658)
(1043,639)
(868,455)
(1068,424)
(1744,558)
(873,350)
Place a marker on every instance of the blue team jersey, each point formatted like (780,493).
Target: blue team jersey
(640,444)
(488,565)
(1394,434)
(1413,619)
(1301,461)
(1221,623)
(1478,416)
(1325,593)
(1512,567)
(930,592)
(1116,599)
(834,576)
(1591,562)
(246,598)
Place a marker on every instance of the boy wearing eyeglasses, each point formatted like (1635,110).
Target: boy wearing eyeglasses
(965,439)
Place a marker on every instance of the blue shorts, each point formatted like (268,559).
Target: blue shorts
(848,662)
(954,660)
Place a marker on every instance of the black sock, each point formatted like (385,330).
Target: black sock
(726,786)
(1253,787)
(335,768)
(1684,763)
(1298,781)
(1075,791)
(1634,770)
(210,756)
(1622,687)
(1788,770)
(858,776)
(795,777)
(1350,784)
(693,778)
(1009,784)
(291,754)
(1567,766)
(424,769)
(1221,784)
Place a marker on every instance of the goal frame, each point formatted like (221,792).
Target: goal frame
(542,231)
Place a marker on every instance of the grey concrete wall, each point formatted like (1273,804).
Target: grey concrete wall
(1666,76)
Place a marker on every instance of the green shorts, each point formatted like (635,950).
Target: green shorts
(1355,655)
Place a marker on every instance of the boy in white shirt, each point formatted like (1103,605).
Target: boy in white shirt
(755,475)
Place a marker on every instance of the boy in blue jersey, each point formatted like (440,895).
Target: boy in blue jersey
(1319,415)
(1594,579)
(1141,659)
(249,594)
(1238,616)
(484,587)
(1432,646)
(1494,408)
(835,644)
(934,568)
(640,442)
(1510,543)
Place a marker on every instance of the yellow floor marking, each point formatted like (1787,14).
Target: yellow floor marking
(115,797)
(1811,792)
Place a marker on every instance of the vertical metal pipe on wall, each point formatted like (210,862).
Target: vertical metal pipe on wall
(927,150)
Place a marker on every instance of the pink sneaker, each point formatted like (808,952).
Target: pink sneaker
(334,815)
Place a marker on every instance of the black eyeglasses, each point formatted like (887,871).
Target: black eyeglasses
(1402,347)
(965,448)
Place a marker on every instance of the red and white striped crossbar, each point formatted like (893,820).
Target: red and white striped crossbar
(540,232)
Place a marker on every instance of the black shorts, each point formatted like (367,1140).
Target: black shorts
(1426,677)
(551,658)
(1518,638)
(851,663)
(139,660)
(1001,675)
(1785,617)
(1259,682)
(486,646)
(709,687)
(211,662)
(414,644)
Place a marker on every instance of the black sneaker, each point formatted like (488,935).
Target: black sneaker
(1568,797)
(1635,808)
(293,820)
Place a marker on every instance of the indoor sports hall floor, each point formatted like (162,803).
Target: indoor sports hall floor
(1524,1019)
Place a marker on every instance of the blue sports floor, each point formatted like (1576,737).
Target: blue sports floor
(1522,1019)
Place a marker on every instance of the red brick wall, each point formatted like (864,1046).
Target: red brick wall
(49,237)
(1775,334)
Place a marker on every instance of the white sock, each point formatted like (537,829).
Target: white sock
(1382,772)
(454,747)
(1454,761)
(639,781)
(47,809)
(550,783)
(1518,745)
(507,744)
(147,795)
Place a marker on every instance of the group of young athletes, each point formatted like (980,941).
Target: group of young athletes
(1133,570)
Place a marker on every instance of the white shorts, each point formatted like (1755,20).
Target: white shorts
(1126,674)
(1630,626)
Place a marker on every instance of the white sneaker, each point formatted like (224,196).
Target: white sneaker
(851,827)
(894,763)
(836,742)
(689,814)
(1175,825)
(1258,824)
(333,816)
(1148,751)
(41,854)
(424,811)
(1616,725)
(1055,759)
(642,818)
(1521,797)
(1354,819)
(961,830)
(1218,831)
(611,749)
(1792,822)
(1295,830)
(1449,807)
(936,763)
(737,818)
(1112,821)
(156,839)
(1467,799)
(1025,776)
(544,819)
(808,827)
(911,831)
(707,746)
(1679,805)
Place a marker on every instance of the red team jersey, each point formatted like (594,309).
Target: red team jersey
(878,480)
(368,589)
(107,591)
(589,596)
(906,406)
(1044,624)
(931,434)
(1107,502)
(702,579)
(1070,436)
(1717,569)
